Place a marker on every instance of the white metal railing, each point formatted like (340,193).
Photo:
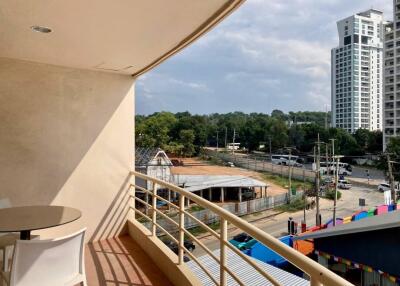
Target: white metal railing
(318,274)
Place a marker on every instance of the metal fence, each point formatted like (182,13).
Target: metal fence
(239,209)
(260,164)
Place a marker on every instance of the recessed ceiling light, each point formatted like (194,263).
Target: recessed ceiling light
(41,29)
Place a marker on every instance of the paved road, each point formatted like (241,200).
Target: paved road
(277,225)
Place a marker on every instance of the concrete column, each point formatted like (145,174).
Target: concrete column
(222,198)
(240,195)
(187,202)
(209,195)
(201,193)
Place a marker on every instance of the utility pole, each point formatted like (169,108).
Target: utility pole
(391,181)
(270,149)
(233,141)
(226,135)
(217,140)
(290,174)
(318,174)
(336,187)
(328,167)
(333,149)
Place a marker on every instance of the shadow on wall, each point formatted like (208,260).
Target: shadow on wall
(120,261)
(114,220)
(66,138)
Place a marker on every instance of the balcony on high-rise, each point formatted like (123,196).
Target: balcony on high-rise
(67,94)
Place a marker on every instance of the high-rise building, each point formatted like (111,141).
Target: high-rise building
(357,65)
(391,114)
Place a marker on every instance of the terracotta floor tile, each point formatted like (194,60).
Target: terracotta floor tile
(121,262)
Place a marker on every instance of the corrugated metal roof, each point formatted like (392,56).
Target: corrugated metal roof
(194,183)
(388,220)
(245,272)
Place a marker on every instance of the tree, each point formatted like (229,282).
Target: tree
(393,148)
(187,139)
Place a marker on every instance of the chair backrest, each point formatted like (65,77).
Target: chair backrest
(48,262)
(5,203)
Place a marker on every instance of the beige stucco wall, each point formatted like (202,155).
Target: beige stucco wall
(67,138)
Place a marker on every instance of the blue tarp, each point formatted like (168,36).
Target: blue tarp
(263,253)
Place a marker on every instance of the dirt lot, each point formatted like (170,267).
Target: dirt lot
(195,166)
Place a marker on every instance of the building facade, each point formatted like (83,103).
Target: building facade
(356,70)
(392,76)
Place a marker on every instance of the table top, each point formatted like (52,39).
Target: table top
(25,218)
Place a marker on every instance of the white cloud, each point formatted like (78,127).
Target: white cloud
(274,54)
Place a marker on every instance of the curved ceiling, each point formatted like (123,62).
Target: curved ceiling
(123,36)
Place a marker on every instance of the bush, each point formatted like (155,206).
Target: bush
(294,206)
(330,195)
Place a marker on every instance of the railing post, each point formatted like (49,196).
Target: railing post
(181,228)
(154,214)
(223,238)
(133,202)
(314,281)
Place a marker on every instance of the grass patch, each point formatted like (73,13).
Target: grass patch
(196,208)
(284,182)
(330,194)
(294,206)
(200,230)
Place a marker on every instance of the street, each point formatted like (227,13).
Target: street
(277,225)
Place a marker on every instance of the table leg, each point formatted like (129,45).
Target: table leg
(25,235)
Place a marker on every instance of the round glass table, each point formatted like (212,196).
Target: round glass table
(27,218)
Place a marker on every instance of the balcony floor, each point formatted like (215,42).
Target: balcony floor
(120,261)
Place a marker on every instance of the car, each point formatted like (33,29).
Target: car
(243,241)
(382,187)
(328,182)
(248,194)
(230,164)
(189,245)
(344,185)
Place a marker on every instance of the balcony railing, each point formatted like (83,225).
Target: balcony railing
(149,212)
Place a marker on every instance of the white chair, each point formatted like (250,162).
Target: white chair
(51,262)
(7,240)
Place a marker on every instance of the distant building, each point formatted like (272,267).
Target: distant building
(392,77)
(153,162)
(356,70)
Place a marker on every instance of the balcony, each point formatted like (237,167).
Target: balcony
(67,138)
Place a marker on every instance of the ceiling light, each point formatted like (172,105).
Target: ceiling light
(41,29)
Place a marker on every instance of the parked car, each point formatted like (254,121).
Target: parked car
(328,181)
(382,187)
(189,245)
(243,241)
(230,164)
(248,194)
(344,185)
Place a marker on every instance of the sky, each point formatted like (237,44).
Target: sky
(267,55)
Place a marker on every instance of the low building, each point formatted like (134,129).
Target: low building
(222,187)
(153,162)
(365,252)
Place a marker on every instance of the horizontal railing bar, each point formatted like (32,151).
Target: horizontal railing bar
(143,202)
(167,217)
(142,214)
(157,196)
(209,229)
(209,252)
(167,233)
(309,266)
(254,264)
(194,258)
